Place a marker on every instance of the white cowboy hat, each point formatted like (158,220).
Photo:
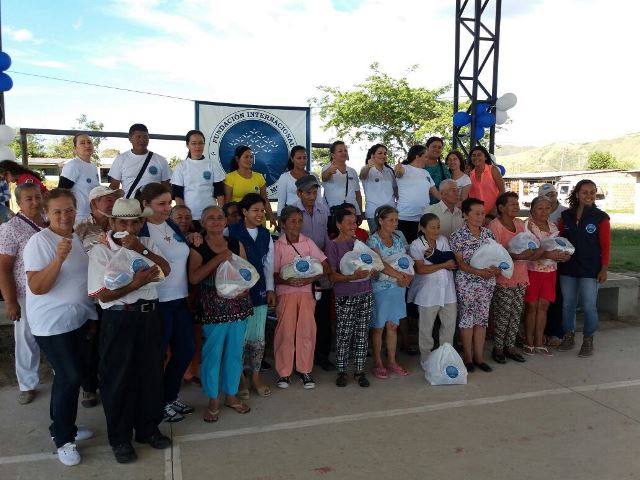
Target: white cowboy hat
(129,209)
(101,191)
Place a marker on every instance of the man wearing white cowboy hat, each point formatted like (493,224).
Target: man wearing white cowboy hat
(131,355)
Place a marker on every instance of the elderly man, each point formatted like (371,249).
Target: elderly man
(135,168)
(14,235)
(450,216)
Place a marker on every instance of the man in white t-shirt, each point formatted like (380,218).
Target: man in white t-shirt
(450,216)
(127,166)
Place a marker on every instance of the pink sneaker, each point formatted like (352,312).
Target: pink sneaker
(397,369)
(380,372)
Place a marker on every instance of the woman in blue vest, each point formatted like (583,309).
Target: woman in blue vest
(588,229)
(257,242)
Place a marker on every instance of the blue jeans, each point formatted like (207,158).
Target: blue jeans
(178,334)
(587,291)
(64,352)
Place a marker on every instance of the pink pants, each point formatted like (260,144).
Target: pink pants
(295,333)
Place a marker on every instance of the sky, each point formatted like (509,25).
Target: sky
(570,62)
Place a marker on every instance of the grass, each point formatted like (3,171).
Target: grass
(625,248)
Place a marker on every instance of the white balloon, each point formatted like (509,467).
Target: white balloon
(501,117)
(506,101)
(7,153)
(7,134)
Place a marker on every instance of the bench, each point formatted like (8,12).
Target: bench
(618,296)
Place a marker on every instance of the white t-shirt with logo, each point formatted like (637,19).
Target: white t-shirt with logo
(126,166)
(66,307)
(378,189)
(85,178)
(176,252)
(413,193)
(335,187)
(197,178)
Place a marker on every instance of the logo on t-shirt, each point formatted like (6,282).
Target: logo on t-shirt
(206,175)
(591,228)
(153,170)
(88,180)
(376,180)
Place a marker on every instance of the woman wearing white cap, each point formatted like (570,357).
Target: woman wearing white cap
(549,191)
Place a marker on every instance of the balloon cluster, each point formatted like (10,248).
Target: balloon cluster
(484,118)
(6,82)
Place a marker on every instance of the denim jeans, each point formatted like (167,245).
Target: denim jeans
(64,352)
(587,291)
(178,334)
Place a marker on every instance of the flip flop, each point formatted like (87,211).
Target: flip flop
(263,390)
(211,416)
(397,370)
(239,407)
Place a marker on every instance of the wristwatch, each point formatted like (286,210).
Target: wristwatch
(145,252)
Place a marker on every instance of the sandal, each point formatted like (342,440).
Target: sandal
(544,350)
(380,372)
(362,379)
(211,416)
(239,407)
(528,349)
(397,369)
(262,390)
(243,394)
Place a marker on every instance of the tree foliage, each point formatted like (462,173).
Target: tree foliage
(63,148)
(35,146)
(110,153)
(386,110)
(599,160)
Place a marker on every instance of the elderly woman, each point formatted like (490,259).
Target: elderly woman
(588,229)
(80,175)
(541,291)
(379,182)
(58,309)
(224,320)
(14,235)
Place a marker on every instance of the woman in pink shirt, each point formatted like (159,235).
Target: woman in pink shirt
(295,334)
(507,304)
(486,181)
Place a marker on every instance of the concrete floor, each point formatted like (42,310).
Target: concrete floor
(561,417)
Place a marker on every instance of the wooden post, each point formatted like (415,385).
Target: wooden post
(24,149)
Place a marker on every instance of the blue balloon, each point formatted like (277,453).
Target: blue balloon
(479,132)
(5,61)
(5,82)
(486,119)
(482,107)
(460,119)
(502,170)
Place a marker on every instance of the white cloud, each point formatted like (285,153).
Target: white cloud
(47,63)
(18,35)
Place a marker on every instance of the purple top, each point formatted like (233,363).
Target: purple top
(315,226)
(335,251)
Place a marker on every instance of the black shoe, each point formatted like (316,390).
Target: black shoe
(470,367)
(498,357)
(341,381)
(181,407)
(307,381)
(265,366)
(514,356)
(124,453)
(157,441)
(325,364)
(362,379)
(283,382)
(483,366)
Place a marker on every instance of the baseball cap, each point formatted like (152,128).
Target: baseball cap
(307,182)
(546,188)
(102,191)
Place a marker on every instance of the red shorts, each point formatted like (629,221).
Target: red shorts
(541,285)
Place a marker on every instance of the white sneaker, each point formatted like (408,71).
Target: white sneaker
(68,454)
(83,434)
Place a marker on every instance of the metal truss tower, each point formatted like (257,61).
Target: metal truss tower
(476,70)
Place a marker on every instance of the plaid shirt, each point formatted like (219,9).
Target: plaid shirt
(5,193)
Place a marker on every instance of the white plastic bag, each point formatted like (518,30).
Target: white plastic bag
(445,367)
(558,243)
(234,276)
(492,254)
(522,242)
(400,262)
(301,267)
(122,267)
(361,257)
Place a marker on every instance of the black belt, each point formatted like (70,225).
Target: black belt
(139,306)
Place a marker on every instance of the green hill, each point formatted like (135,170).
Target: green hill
(568,156)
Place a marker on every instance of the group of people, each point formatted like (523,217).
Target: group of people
(136,341)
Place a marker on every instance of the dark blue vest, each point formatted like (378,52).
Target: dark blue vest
(587,259)
(256,254)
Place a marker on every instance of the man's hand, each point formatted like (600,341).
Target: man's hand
(144,276)
(131,242)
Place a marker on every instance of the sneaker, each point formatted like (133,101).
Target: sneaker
(89,399)
(26,397)
(157,440)
(283,382)
(341,381)
(170,415)
(307,381)
(182,408)
(587,347)
(68,454)
(124,453)
(568,342)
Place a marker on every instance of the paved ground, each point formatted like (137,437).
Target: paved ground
(551,418)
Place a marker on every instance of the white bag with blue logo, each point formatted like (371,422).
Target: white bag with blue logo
(301,267)
(122,267)
(235,276)
(400,262)
(522,242)
(558,243)
(492,254)
(445,367)
(361,257)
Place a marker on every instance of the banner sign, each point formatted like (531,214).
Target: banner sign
(270,132)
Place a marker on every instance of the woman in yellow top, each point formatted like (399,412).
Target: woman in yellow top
(241,180)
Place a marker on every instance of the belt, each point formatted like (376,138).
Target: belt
(140,306)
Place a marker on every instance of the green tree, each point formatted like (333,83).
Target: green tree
(387,110)
(174,161)
(63,148)
(35,146)
(599,160)
(110,153)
